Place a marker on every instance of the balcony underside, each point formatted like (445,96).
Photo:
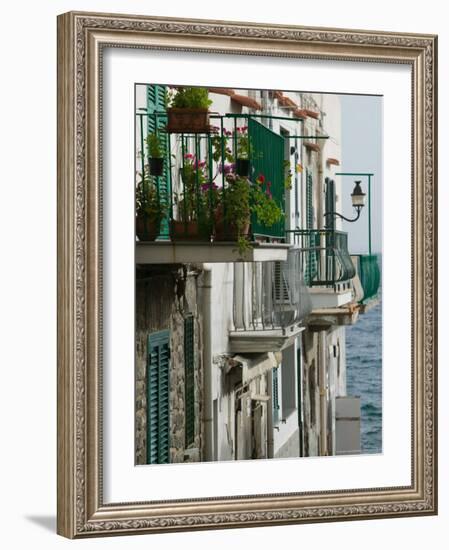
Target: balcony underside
(322,319)
(167,252)
(262,341)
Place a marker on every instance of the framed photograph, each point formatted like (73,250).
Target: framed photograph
(246,274)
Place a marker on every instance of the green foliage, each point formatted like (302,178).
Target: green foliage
(149,203)
(289,176)
(155,146)
(241,198)
(191,98)
(193,201)
(264,206)
(244,145)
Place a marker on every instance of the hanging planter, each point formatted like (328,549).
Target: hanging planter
(156,154)
(188,121)
(242,167)
(189,111)
(156,166)
(147,229)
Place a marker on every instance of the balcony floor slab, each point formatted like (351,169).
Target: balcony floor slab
(167,252)
(262,341)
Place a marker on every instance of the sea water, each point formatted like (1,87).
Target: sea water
(364,374)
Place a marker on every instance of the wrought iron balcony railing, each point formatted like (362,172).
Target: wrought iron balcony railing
(326,259)
(270,295)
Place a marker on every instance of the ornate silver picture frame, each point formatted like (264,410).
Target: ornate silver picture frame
(83,510)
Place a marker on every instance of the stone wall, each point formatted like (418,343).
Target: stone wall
(164,297)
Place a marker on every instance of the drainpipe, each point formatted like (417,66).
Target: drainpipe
(270,427)
(206,287)
(323,391)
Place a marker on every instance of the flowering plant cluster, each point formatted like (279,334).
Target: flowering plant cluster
(220,143)
(226,199)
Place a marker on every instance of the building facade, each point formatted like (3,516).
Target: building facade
(240,353)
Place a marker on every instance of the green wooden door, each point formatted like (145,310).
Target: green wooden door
(156,123)
(158,393)
(267,158)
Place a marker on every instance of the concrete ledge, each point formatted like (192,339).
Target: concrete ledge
(260,341)
(167,252)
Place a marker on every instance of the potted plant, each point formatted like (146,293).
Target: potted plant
(243,150)
(155,154)
(150,210)
(188,111)
(193,220)
(240,199)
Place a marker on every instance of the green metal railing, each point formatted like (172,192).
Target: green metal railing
(369,274)
(326,257)
(199,167)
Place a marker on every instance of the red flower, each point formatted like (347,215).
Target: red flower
(261,179)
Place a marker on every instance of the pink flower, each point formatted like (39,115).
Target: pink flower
(207,186)
(268,193)
(268,184)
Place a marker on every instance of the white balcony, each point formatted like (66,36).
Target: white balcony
(270,305)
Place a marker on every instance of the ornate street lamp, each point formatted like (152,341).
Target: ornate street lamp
(358,202)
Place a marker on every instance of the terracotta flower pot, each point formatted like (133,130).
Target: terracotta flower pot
(188,231)
(147,229)
(188,121)
(156,166)
(228,231)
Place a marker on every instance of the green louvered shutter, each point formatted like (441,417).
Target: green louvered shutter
(158,393)
(156,104)
(330,224)
(189,365)
(275,392)
(267,158)
(311,240)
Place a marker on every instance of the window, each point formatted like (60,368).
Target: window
(189,377)
(158,393)
(275,396)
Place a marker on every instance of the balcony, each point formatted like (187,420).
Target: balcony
(328,268)
(368,271)
(270,304)
(215,195)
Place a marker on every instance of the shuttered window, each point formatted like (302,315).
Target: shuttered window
(158,393)
(309,200)
(275,396)
(156,104)
(313,238)
(189,365)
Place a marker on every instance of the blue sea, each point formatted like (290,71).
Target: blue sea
(364,374)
